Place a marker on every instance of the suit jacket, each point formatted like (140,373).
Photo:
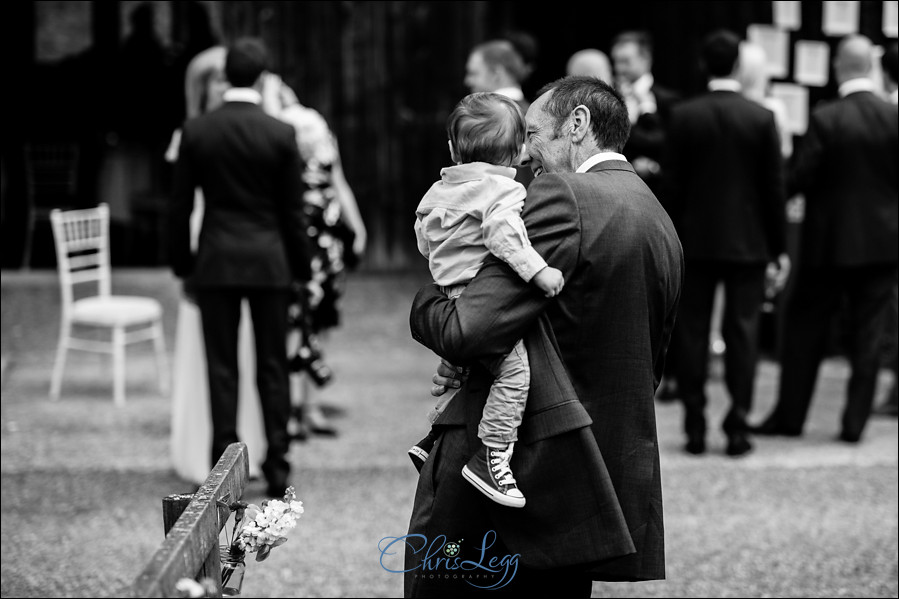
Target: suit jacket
(524,174)
(725,179)
(587,455)
(647,135)
(249,169)
(846,167)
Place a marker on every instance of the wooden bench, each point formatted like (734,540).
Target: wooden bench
(192,525)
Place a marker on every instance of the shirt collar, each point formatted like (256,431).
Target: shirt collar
(894,96)
(597,158)
(470,171)
(513,93)
(643,84)
(859,84)
(242,94)
(724,84)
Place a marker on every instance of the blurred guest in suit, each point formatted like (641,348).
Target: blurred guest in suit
(890,405)
(725,186)
(590,62)
(252,245)
(496,66)
(849,248)
(191,423)
(648,104)
(649,107)
(528,48)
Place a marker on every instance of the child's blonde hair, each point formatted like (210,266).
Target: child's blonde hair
(486,127)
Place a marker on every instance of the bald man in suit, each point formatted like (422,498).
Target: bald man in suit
(849,249)
(590,62)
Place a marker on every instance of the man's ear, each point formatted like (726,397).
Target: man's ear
(580,123)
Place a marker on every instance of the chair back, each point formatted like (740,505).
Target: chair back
(82,250)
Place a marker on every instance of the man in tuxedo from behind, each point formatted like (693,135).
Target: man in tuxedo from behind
(252,246)
(587,455)
(725,190)
(845,165)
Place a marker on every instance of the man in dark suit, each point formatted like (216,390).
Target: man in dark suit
(846,167)
(587,456)
(252,245)
(649,110)
(648,103)
(725,189)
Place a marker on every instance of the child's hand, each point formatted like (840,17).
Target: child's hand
(550,280)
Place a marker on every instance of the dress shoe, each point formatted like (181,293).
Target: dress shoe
(276,490)
(297,429)
(886,409)
(695,445)
(771,428)
(667,392)
(847,437)
(737,445)
(318,423)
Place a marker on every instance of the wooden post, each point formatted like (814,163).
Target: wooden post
(193,524)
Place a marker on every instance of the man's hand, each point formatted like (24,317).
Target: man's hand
(448,376)
(271,93)
(550,280)
(645,167)
(189,291)
(776,276)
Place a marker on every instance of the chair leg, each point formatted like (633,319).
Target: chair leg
(29,238)
(118,366)
(60,363)
(162,362)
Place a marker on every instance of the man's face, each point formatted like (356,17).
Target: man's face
(478,77)
(545,152)
(629,63)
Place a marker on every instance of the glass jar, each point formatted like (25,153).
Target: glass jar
(233,569)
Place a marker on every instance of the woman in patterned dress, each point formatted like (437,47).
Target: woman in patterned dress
(336,230)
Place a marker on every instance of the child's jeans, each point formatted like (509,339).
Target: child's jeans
(507,397)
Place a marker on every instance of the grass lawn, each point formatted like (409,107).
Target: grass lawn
(82,480)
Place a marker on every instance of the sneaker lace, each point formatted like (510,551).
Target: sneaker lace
(499,461)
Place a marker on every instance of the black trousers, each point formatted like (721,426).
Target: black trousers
(220,310)
(817,296)
(743,297)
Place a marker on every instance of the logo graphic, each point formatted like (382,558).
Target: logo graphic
(439,559)
(452,549)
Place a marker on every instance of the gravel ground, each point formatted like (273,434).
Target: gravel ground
(82,480)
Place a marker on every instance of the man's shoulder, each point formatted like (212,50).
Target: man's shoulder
(617,175)
(729,103)
(697,104)
(665,95)
(243,112)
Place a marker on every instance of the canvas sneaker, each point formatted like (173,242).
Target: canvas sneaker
(420,451)
(488,470)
